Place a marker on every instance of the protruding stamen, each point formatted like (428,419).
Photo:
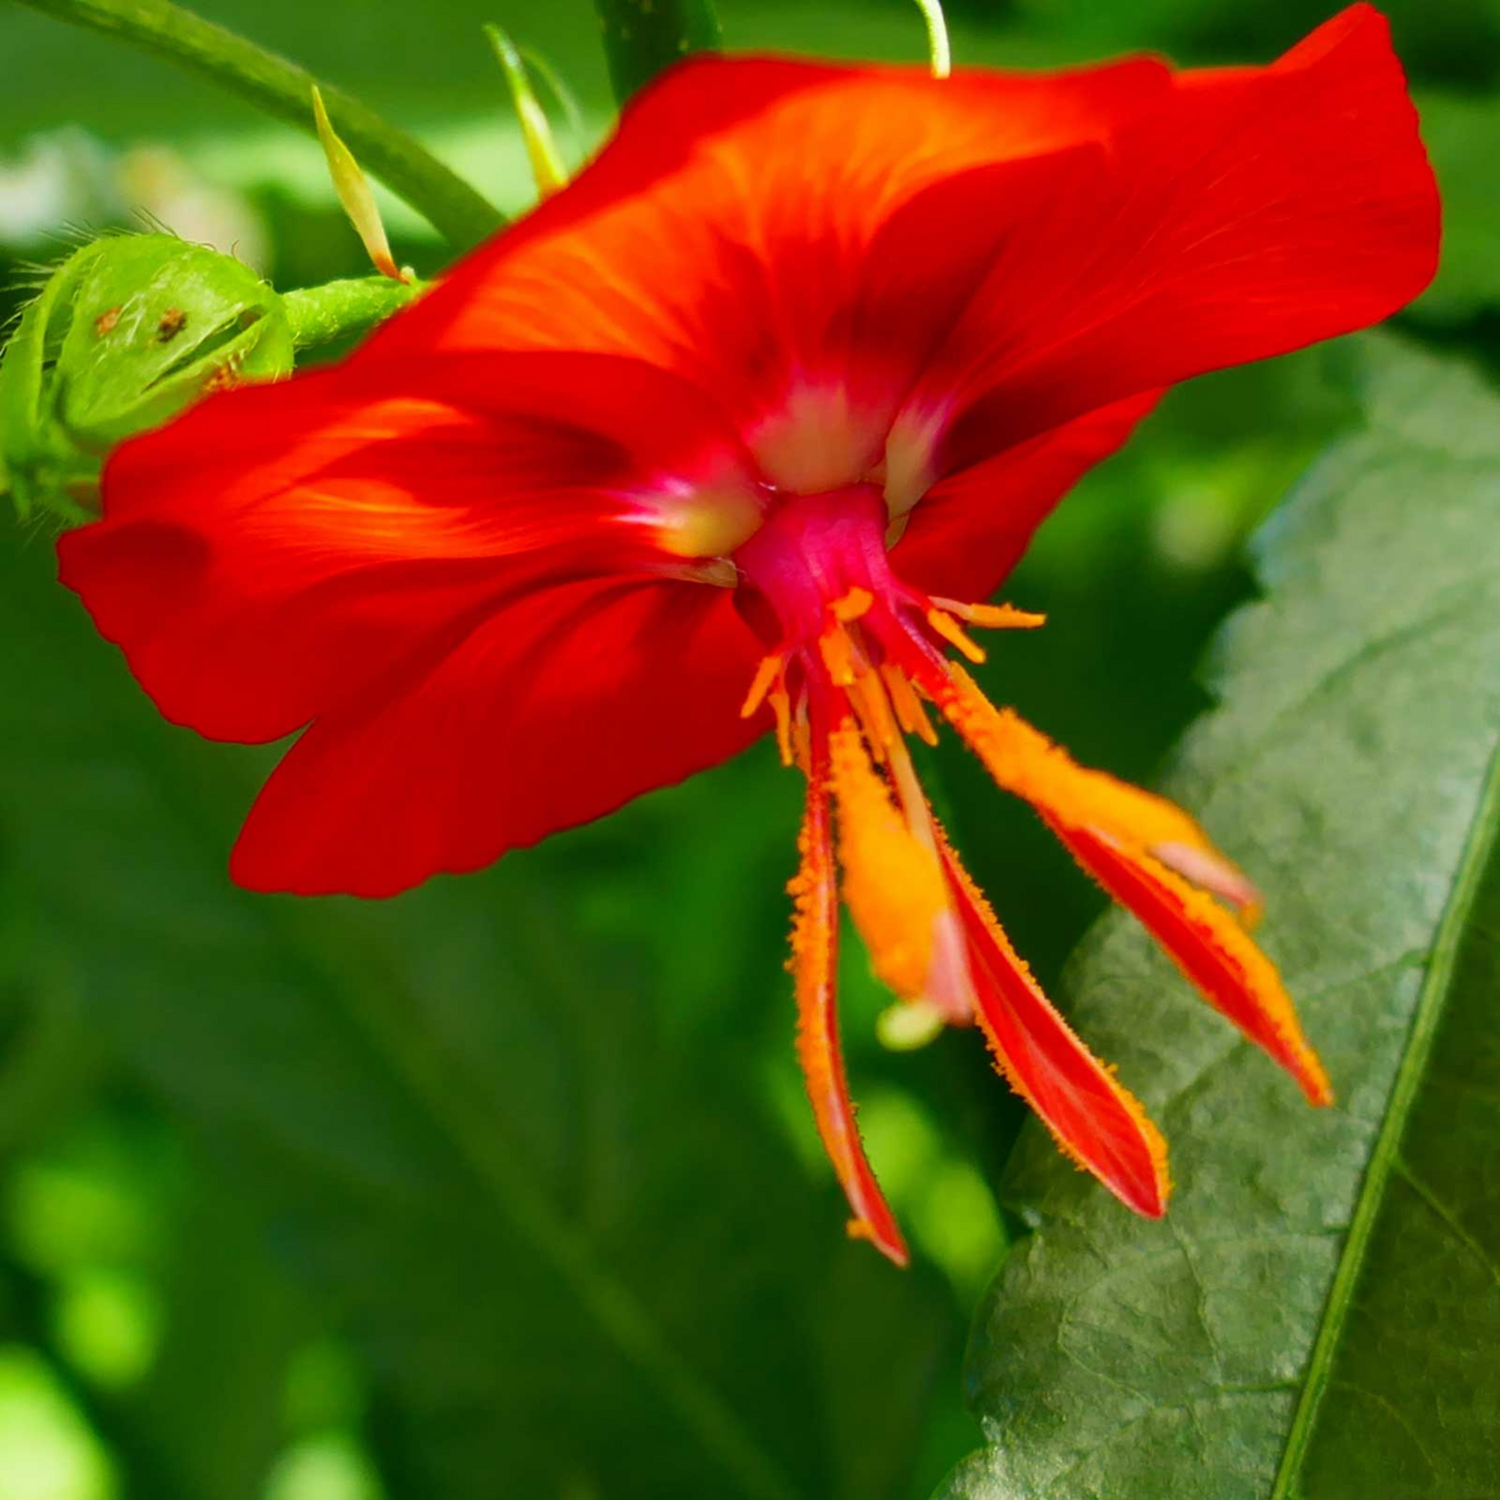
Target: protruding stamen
(910,714)
(950,630)
(874,710)
(1024,761)
(814,966)
(950,986)
(893,885)
(767,675)
(781,706)
(992,616)
(1117,832)
(837,651)
(1212,950)
(853,606)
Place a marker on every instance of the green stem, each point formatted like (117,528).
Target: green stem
(641,37)
(284,90)
(343,309)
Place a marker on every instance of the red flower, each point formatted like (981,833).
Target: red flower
(799,361)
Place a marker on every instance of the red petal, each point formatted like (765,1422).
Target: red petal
(971,528)
(1210,948)
(278,547)
(556,710)
(1092,1118)
(814,967)
(1112,829)
(720,233)
(1254,212)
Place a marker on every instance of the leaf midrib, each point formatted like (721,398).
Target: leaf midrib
(1385,1158)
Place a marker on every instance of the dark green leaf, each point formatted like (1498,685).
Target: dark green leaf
(1316,1318)
(522,1153)
(1463,139)
(641,37)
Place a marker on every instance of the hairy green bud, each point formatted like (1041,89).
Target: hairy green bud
(127,332)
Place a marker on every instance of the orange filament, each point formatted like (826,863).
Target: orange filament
(992,616)
(781,706)
(1024,761)
(950,985)
(874,709)
(853,606)
(893,884)
(951,631)
(766,675)
(910,714)
(838,653)
(1139,847)
(814,966)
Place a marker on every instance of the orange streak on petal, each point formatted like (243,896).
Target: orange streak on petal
(1094,1120)
(814,967)
(1210,948)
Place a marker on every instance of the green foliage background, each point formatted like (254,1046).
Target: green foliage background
(506,1188)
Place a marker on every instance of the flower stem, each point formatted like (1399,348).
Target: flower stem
(641,37)
(340,310)
(281,88)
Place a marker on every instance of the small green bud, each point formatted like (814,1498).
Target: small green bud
(127,332)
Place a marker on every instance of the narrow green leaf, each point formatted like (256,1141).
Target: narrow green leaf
(1316,1318)
(284,90)
(641,37)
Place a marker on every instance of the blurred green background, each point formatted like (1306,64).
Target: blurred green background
(508,1187)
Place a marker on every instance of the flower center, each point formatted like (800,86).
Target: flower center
(853,652)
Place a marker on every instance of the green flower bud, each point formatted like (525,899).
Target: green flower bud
(127,332)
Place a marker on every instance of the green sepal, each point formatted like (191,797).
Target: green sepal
(128,331)
(339,310)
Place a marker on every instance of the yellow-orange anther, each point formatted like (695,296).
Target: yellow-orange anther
(767,674)
(874,710)
(1024,761)
(781,706)
(992,616)
(951,631)
(1139,847)
(910,714)
(838,653)
(853,606)
(893,885)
